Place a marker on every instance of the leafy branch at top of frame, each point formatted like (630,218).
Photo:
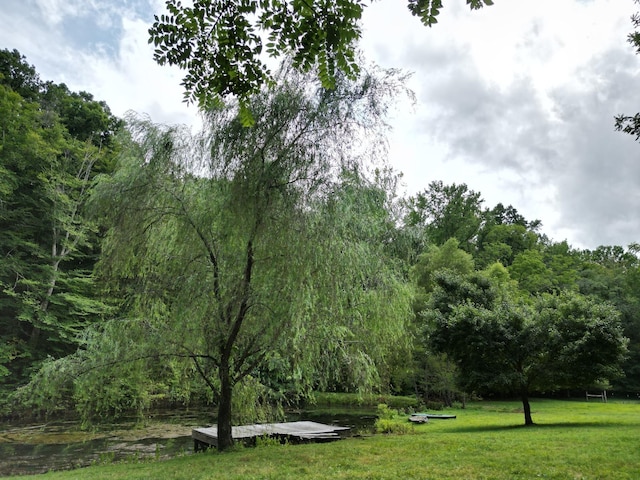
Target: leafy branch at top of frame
(218,43)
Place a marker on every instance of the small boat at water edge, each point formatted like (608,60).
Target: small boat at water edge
(425,417)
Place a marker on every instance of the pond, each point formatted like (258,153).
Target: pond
(62,445)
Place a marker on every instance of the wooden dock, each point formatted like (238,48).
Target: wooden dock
(296,432)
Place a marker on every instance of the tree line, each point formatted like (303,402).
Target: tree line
(250,267)
(54,144)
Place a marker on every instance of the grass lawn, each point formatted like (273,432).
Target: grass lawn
(571,440)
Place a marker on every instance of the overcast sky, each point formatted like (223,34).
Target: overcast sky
(516,100)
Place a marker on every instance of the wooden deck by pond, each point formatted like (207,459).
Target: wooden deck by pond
(297,432)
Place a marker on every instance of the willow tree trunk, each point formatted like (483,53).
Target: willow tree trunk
(225,439)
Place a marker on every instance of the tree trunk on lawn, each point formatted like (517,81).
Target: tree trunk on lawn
(527,409)
(225,440)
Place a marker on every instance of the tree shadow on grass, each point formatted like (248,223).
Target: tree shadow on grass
(535,426)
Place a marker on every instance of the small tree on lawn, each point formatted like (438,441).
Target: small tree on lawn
(504,345)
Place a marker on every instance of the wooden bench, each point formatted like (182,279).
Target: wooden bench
(602,396)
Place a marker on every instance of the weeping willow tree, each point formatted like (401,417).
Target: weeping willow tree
(225,253)
(356,303)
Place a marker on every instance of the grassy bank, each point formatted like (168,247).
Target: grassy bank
(347,400)
(571,440)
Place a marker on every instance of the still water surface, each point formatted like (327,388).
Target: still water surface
(31,449)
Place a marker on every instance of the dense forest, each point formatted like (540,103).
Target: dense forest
(54,144)
(249,267)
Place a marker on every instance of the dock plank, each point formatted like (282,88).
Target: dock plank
(303,430)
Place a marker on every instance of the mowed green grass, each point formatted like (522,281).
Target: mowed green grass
(571,440)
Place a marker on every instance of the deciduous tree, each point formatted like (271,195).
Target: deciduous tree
(505,345)
(220,245)
(447,211)
(503,235)
(48,159)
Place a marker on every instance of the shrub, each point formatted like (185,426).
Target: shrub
(391,421)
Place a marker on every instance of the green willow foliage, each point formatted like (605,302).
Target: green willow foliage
(225,251)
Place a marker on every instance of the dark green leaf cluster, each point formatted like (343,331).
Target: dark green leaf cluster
(18,75)
(502,344)
(428,10)
(219,43)
(215,42)
(630,124)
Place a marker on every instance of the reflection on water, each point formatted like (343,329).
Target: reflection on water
(33,449)
(62,445)
(358,420)
(20,459)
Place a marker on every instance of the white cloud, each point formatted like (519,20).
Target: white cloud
(121,72)
(133,81)
(516,100)
(520,97)
(54,11)
(104,14)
